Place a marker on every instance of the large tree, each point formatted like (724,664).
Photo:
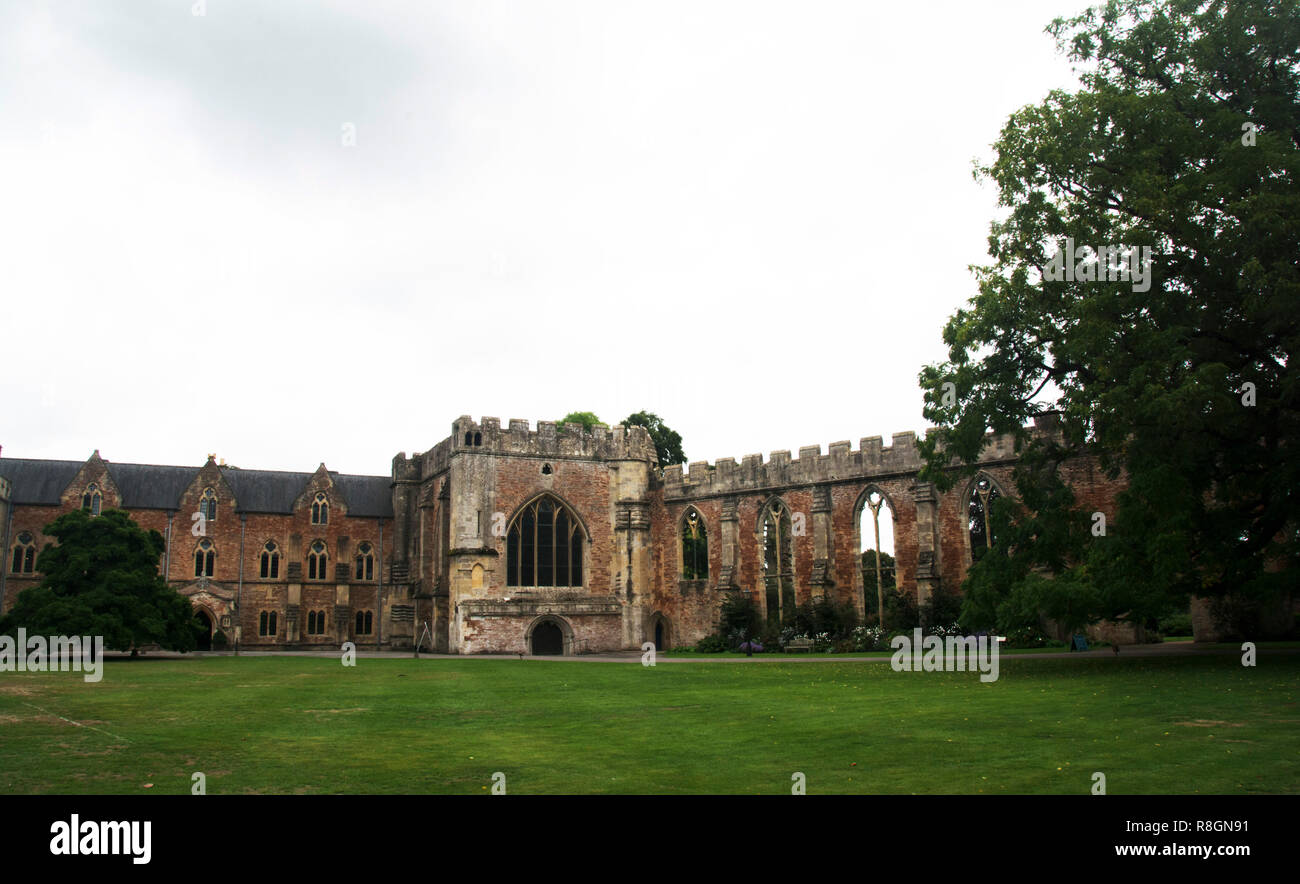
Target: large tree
(668,442)
(102,579)
(1181,378)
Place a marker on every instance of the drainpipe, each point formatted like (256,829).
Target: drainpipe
(167,552)
(239,592)
(379,629)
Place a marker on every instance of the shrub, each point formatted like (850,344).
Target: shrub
(219,641)
(712,644)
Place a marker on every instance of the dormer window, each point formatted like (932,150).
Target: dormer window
(208,504)
(91,499)
(320,510)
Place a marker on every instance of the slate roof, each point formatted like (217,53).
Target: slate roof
(153,486)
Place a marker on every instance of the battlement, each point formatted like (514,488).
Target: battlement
(486,436)
(841,462)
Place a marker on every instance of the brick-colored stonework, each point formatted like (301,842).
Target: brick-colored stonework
(438,527)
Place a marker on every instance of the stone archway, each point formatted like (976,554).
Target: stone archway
(660,632)
(550,636)
(204,620)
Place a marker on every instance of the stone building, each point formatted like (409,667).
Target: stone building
(519,540)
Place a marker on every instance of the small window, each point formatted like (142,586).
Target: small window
(469,439)
(208,505)
(270,569)
(266,623)
(91,499)
(365,562)
(24,559)
(546,469)
(478,439)
(317,561)
(204,558)
(365,623)
(320,510)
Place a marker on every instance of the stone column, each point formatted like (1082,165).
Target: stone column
(927,541)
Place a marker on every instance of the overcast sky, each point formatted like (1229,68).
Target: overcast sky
(750,218)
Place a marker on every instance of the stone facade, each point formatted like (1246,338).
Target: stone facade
(466,539)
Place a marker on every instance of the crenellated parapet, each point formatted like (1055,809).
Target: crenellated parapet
(549,441)
(841,463)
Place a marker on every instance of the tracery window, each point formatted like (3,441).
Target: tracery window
(778,561)
(544,546)
(982,536)
(317,561)
(24,559)
(365,562)
(208,505)
(204,558)
(91,499)
(320,510)
(695,546)
(270,565)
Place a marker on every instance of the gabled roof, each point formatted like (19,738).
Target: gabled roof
(154,486)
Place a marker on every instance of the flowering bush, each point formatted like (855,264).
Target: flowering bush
(868,638)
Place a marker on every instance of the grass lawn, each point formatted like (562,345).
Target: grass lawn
(309,725)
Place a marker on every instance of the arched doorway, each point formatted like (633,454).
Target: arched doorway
(661,632)
(204,623)
(547,640)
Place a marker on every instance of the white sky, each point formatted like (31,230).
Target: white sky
(751,218)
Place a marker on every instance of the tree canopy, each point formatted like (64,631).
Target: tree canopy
(668,443)
(102,579)
(1175,367)
(586,418)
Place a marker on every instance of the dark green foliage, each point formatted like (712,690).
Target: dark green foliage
(219,641)
(102,579)
(668,444)
(1149,152)
(740,617)
(824,616)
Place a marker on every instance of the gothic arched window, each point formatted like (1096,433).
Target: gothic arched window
(270,569)
(365,562)
(317,560)
(778,561)
(24,560)
(208,505)
(982,536)
(91,499)
(544,546)
(365,622)
(695,546)
(204,558)
(320,510)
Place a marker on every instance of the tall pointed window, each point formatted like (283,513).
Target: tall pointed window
(204,558)
(695,546)
(980,507)
(91,499)
(266,623)
(778,561)
(24,559)
(270,569)
(365,622)
(544,546)
(320,510)
(317,561)
(365,562)
(208,504)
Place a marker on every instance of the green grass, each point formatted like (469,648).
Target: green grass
(309,725)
